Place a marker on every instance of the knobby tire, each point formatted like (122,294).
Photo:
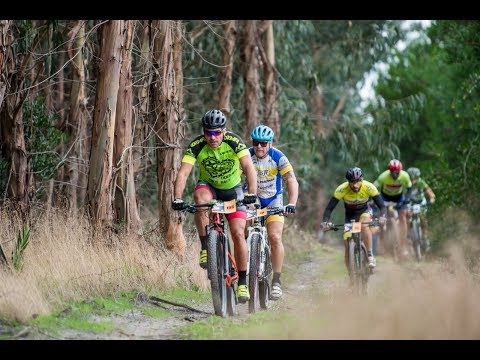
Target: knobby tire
(253,303)
(265,282)
(216,266)
(416,239)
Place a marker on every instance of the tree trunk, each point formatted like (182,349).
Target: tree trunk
(169,127)
(271,112)
(20,185)
(250,75)
(5,42)
(126,210)
(77,119)
(100,181)
(226,71)
(143,95)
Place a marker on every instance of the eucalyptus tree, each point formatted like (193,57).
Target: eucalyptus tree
(226,70)
(76,170)
(100,181)
(125,202)
(168,124)
(16,61)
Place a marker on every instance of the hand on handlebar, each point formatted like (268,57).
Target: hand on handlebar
(290,209)
(325,226)
(179,204)
(249,198)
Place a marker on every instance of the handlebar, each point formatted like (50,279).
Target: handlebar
(349,225)
(258,213)
(215,205)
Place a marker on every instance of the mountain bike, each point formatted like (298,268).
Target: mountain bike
(357,259)
(391,236)
(259,267)
(221,268)
(416,235)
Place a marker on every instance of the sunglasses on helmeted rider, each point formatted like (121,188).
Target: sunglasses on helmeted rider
(213,133)
(262,143)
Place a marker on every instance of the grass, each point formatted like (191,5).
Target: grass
(66,262)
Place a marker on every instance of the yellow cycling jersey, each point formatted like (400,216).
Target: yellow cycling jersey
(355,200)
(390,186)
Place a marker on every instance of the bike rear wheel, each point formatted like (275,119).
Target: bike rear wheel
(216,265)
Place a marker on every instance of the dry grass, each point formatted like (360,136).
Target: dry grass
(66,261)
(437,299)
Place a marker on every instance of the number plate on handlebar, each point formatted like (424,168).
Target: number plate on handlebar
(262,212)
(225,207)
(356,227)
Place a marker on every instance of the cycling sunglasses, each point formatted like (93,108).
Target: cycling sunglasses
(213,133)
(262,143)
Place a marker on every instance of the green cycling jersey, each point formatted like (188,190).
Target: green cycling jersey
(418,190)
(219,167)
(390,186)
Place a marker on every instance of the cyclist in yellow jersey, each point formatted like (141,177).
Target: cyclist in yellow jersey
(395,185)
(356,193)
(219,155)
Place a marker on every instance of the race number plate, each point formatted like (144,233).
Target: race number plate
(356,227)
(230,206)
(262,212)
(225,207)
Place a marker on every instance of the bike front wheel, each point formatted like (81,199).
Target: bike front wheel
(265,281)
(254,303)
(416,240)
(216,265)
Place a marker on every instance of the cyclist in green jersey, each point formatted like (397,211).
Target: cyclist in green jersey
(419,189)
(392,184)
(221,156)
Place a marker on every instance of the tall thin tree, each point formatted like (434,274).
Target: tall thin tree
(100,181)
(169,126)
(226,71)
(126,210)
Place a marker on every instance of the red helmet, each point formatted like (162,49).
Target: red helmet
(395,166)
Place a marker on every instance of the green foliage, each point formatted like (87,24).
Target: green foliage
(42,138)
(20,246)
(430,97)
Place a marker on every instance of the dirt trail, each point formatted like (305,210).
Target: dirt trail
(433,300)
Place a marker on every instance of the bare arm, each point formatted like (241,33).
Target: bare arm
(431,194)
(250,173)
(181,180)
(292,187)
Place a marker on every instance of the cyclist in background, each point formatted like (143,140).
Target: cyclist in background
(219,154)
(392,183)
(419,189)
(273,168)
(356,193)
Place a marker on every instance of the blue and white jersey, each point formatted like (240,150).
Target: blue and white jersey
(270,170)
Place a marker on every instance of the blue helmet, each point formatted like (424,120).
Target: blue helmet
(262,133)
